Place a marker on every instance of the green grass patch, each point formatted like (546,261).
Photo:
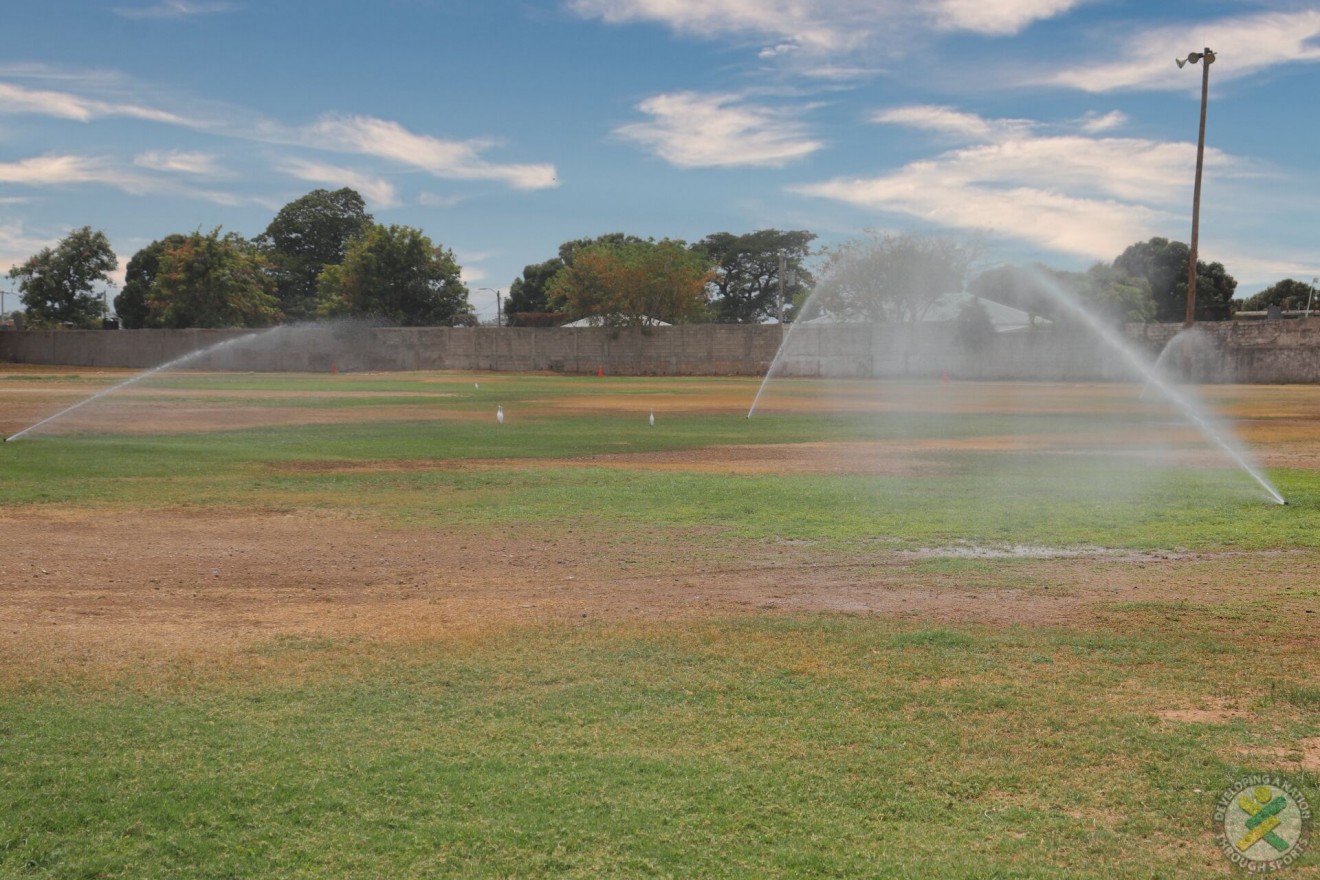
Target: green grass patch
(759,748)
(767,746)
(979,497)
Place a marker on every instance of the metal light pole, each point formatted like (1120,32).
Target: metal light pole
(779,302)
(1310,298)
(498,320)
(1206,58)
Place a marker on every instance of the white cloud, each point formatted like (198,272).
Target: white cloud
(376,190)
(777,50)
(1098,123)
(57,170)
(947,120)
(16,245)
(1244,45)
(65,105)
(970,127)
(692,130)
(1258,267)
(175,9)
(455,160)
(202,164)
(1087,196)
(825,27)
(1093,228)
(816,25)
(997,17)
(71,169)
(361,135)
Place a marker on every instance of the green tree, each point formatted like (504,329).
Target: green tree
(886,277)
(633,283)
(58,284)
(397,274)
(212,280)
(612,239)
(307,235)
(746,280)
(529,297)
(131,305)
(1163,264)
(1286,294)
(530,300)
(1113,294)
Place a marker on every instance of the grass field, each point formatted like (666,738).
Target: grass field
(308,626)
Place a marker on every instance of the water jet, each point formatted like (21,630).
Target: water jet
(838,338)
(169,365)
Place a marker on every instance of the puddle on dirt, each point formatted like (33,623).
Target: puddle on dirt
(1035,551)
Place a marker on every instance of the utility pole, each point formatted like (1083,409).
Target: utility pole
(780,303)
(495,356)
(1206,58)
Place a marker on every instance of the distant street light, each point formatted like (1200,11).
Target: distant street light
(496,365)
(779,300)
(1206,58)
(1311,296)
(498,319)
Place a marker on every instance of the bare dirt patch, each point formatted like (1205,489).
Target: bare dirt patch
(115,589)
(133,417)
(1217,714)
(86,587)
(1310,749)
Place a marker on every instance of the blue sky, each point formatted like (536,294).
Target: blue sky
(1053,130)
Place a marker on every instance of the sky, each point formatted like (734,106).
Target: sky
(1058,131)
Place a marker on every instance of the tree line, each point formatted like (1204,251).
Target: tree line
(623,280)
(323,255)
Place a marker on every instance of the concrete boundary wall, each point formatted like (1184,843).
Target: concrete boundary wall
(1281,351)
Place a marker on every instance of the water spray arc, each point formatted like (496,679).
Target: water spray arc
(1113,341)
(177,362)
(785,339)
(1184,402)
